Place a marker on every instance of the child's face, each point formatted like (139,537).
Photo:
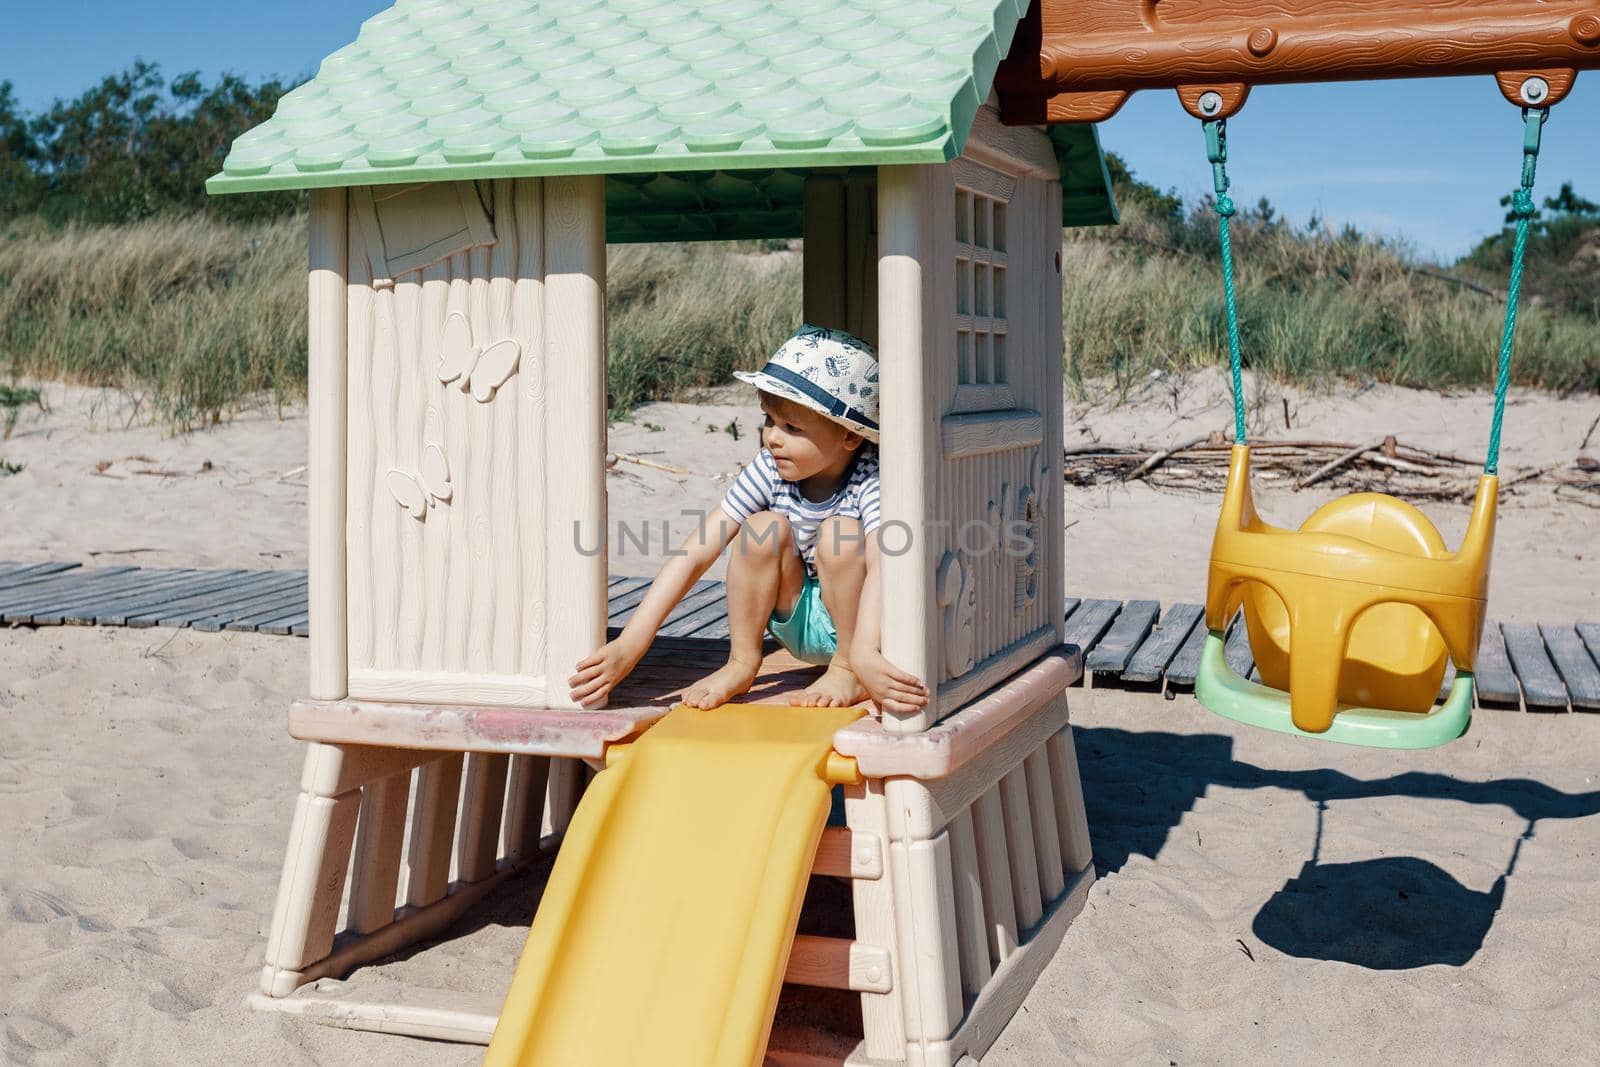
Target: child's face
(803,442)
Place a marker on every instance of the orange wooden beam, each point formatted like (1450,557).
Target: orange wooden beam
(1077,60)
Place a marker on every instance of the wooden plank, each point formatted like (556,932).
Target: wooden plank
(180,612)
(624,586)
(1092,618)
(1589,634)
(713,614)
(84,608)
(294,625)
(619,609)
(39,594)
(293,597)
(26,574)
(116,613)
(282,622)
(203,597)
(1153,655)
(1541,685)
(1186,661)
(111,610)
(705,603)
(1134,623)
(1574,664)
(1492,676)
(224,605)
(286,606)
(1237,649)
(714,631)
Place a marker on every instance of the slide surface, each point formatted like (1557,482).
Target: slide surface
(664,932)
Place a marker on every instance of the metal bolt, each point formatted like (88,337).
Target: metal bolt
(1211,102)
(1534,91)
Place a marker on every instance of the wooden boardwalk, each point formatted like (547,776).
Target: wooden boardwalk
(1134,644)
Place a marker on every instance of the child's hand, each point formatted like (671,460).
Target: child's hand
(893,689)
(600,672)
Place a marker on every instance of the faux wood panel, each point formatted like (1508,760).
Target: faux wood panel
(448,529)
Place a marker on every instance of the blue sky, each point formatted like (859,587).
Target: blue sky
(1421,159)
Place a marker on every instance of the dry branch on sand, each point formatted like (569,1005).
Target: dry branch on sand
(1386,465)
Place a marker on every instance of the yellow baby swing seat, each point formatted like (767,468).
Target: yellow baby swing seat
(1351,617)
(1354,614)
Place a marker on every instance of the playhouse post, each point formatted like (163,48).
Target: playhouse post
(327,374)
(575,386)
(906,288)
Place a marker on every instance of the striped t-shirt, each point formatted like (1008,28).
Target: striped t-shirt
(759,487)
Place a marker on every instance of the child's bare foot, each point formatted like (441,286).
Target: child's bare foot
(837,688)
(732,679)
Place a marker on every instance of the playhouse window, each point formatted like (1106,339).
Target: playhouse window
(981,327)
(410,227)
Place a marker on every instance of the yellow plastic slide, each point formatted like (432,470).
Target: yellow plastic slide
(664,932)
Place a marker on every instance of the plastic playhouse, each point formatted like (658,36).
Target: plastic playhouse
(469,163)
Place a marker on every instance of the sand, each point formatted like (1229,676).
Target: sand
(147,780)
(247,509)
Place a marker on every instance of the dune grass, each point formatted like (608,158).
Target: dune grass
(190,314)
(1314,307)
(197,317)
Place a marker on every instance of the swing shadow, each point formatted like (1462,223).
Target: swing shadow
(1388,913)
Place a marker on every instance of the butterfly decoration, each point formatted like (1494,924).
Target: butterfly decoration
(479,371)
(418,492)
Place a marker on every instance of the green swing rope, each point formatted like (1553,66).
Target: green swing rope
(1522,209)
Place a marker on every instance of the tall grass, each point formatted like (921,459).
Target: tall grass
(1314,306)
(690,315)
(199,316)
(192,315)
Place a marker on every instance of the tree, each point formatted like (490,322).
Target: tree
(134,146)
(1166,206)
(19,185)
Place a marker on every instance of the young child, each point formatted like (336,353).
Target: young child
(803,520)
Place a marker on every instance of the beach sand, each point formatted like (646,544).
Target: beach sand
(147,780)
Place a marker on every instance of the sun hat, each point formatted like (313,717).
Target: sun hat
(829,371)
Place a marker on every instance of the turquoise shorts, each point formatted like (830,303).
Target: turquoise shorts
(806,632)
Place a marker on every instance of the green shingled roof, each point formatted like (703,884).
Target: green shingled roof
(696,108)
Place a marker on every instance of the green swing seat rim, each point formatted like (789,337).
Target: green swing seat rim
(1220,689)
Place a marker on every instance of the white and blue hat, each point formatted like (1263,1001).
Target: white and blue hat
(829,371)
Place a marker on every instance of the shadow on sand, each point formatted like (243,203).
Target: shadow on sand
(1390,913)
